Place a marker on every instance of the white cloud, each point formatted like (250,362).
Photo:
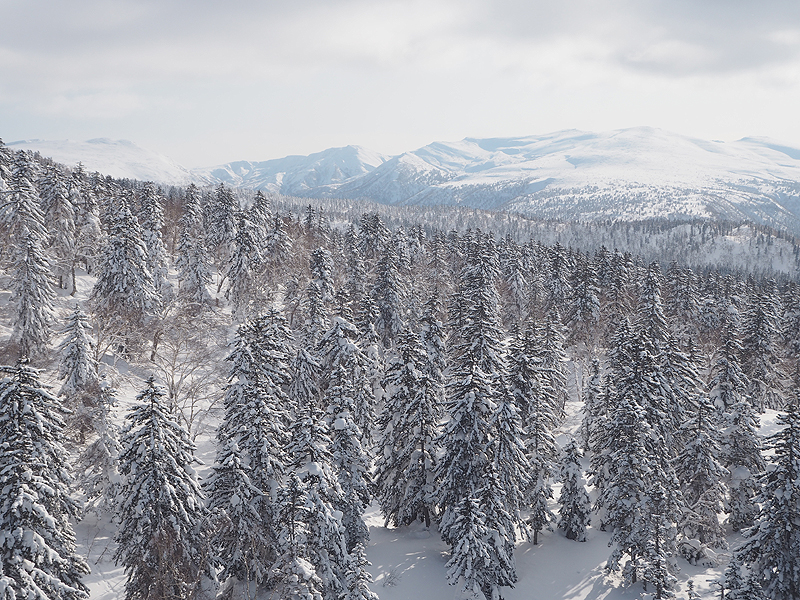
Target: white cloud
(257,79)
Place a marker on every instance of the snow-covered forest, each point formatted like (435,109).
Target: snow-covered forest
(342,369)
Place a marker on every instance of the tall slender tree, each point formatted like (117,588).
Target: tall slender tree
(38,558)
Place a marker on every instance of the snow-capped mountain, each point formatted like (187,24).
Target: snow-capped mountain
(118,158)
(628,174)
(635,173)
(297,175)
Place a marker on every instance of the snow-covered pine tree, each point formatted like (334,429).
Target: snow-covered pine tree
(624,493)
(760,353)
(471,561)
(78,369)
(575,514)
(151,222)
(406,454)
(241,541)
(701,477)
(293,574)
(59,218)
(97,468)
(245,261)
(583,308)
(162,534)
(350,461)
(593,406)
(737,587)
(37,548)
(538,404)
(32,298)
(389,292)
(659,543)
(310,459)
(260,214)
(475,389)
(728,383)
(124,296)
(358,577)
(220,222)
(771,547)
(20,212)
(193,261)
(256,419)
(78,366)
(743,459)
(340,346)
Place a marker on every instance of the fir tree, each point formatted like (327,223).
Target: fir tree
(37,549)
(161,537)
(124,296)
(771,548)
(701,476)
(245,262)
(575,512)
(743,459)
(59,218)
(406,457)
(33,298)
(151,222)
(760,352)
(471,559)
(20,212)
(78,366)
(358,578)
(243,544)
(350,461)
(193,261)
(294,576)
(98,464)
(728,383)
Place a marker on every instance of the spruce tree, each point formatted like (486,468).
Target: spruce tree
(350,461)
(38,558)
(701,476)
(20,212)
(161,538)
(760,353)
(151,222)
(771,548)
(32,297)
(193,261)
(407,451)
(575,512)
(358,578)
(78,366)
(124,296)
(743,459)
(59,218)
(294,576)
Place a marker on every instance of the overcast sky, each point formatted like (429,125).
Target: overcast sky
(207,82)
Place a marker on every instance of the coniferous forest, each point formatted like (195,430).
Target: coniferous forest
(343,356)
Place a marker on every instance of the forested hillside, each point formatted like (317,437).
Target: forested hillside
(343,357)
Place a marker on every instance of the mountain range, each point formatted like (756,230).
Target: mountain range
(628,174)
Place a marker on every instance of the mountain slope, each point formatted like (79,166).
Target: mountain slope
(118,158)
(628,174)
(297,175)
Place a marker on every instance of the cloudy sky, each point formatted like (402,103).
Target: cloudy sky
(207,82)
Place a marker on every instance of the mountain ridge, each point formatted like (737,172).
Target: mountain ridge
(625,174)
